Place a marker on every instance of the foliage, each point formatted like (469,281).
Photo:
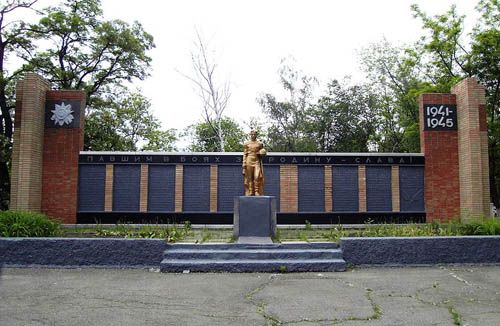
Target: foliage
(287,131)
(122,120)
(344,119)
(394,75)
(447,57)
(203,138)
(74,48)
(27,224)
(86,52)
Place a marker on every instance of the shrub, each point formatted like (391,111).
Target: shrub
(27,224)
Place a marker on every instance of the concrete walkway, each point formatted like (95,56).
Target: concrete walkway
(467,295)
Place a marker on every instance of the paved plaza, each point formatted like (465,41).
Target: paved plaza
(440,295)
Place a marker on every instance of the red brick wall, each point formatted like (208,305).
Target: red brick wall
(442,188)
(61,147)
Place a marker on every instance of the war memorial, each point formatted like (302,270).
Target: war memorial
(50,173)
(254,191)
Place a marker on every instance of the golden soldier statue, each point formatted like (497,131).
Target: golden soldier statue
(253,169)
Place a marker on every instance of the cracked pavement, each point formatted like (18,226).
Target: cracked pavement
(440,295)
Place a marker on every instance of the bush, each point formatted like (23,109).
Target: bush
(27,224)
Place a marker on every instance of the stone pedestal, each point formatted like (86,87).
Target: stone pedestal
(254,219)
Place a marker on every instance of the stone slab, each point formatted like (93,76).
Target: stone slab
(255,216)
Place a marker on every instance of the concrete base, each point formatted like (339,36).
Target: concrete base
(254,219)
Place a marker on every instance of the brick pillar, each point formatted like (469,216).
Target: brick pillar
(472,149)
(143,203)
(362,188)
(179,186)
(396,201)
(27,156)
(108,190)
(64,121)
(289,190)
(439,142)
(328,189)
(213,188)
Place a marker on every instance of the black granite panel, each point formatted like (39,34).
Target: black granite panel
(411,188)
(161,188)
(126,188)
(378,189)
(91,188)
(272,185)
(345,188)
(230,185)
(311,188)
(196,192)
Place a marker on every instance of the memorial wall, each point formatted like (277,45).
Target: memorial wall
(50,174)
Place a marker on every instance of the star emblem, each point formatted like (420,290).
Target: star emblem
(62,114)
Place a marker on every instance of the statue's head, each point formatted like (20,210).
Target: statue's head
(253,135)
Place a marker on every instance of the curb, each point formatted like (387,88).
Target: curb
(401,251)
(148,253)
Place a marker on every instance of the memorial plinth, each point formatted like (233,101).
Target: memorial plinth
(254,219)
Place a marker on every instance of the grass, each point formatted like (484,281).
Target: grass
(27,224)
(308,234)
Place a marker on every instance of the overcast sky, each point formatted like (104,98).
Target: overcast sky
(251,37)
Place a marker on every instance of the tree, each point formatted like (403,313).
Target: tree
(74,48)
(395,75)
(122,121)
(204,139)
(214,94)
(344,120)
(82,51)
(287,130)
(448,58)
(12,40)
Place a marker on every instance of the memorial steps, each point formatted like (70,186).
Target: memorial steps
(238,257)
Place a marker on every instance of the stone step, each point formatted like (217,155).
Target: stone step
(248,266)
(230,246)
(247,254)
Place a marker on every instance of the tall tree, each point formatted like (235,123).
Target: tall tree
(83,51)
(395,75)
(13,39)
(287,119)
(214,93)
(344,120)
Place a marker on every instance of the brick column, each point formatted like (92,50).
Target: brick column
(213,188)
(396,202)
(108,190)
(362,188)
(64,121)
(27,156)
(289,190)
(328,189)
(472,149)
(143,204)
(179,185)
(440,145)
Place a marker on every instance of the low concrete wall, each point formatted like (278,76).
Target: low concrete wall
(422,250)
(145,253)
(64,252)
